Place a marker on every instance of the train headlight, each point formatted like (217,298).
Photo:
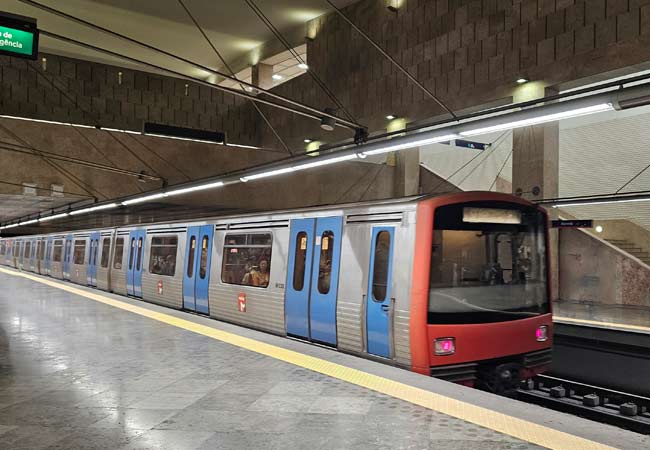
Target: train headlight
(445,346)
(541,333)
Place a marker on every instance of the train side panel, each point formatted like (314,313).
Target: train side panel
(161,289)
(264,306)
(104,260)
(79,258)
(119,262)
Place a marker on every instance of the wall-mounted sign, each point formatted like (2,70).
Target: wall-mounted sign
(471,144)
(18,36)
(573,223)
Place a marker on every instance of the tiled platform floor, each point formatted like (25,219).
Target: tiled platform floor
(77,374)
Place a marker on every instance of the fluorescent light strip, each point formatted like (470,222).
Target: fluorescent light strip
(195,188)
(203,141)
(28,222)
(413,144)
(603,202)
(270,173)
(144,199)
(324,162)
(13,225)
(52,122)
(541,119)
(244,146)
(94,208)
(56,216)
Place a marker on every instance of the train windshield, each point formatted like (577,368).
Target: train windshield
(488,263)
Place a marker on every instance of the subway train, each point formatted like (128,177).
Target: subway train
(454,286)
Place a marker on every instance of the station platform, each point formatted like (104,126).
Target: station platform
(635,319)
(85,369)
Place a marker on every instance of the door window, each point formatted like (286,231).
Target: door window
(300,258)
(205,244)
(28,250)
(190,263)
(119,253)
(139,264)
(131,254)
(380,269)
(41,250)
(325,261)
(57,251)
(68,244)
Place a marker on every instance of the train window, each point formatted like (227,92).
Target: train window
(162,259)
(247,259)
(28,249)
(79,252)
(48,251)
(41,250)
(380,269)
(3,248)
(119,253)
(139,262)
(205,248)
(190,259)
(57,251)
(299,261)
(494,263)
(325,261)
(95,250)
(68,245)
(106,252)
(131,253)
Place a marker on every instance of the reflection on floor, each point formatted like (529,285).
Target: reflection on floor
(619,314)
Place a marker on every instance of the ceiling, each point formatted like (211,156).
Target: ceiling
(234,29)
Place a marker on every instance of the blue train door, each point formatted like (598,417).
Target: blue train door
(91,275)
(67,256)
(135,261)
(196,278)
(314,256)
(378,301)
(301,249)
(48,255)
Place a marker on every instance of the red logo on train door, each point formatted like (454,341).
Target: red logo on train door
(241,301)
(160,287)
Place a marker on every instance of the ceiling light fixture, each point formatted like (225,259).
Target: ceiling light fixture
(604,201)
(521,80)
(56,216)
(28,222)
(602,107)
(277,76)
(410,144)
(266,174)
(146,198)
(94,208)
(201,187)
(306,140)
(303,66)
(391,117)
(324,162)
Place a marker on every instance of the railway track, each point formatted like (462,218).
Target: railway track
(604,405)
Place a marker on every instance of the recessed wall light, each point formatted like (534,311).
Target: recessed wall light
(277,76)
(303,66)
(391,117)
(522,80)
(307,141)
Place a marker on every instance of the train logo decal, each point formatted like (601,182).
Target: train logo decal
(160,287)
(241,302)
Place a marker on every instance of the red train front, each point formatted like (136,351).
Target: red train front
(480,309)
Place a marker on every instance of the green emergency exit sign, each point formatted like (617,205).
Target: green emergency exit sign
(18,36)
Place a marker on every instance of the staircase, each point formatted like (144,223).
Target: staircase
(631,248)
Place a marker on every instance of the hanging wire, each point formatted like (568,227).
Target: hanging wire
(258,12)
(632,179)
(500,140)
(501,169)
(232,73)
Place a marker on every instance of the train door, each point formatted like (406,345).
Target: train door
(196,278)
(67,257)
(48,256)
(312,278)
(379,303)
(134,268)
(91,275)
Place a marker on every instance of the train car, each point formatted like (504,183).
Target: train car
(454,286)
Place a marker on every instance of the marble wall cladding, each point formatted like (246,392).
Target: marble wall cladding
(594,271)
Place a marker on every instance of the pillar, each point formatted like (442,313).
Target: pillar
(535,167)
(407,173)
(262,75)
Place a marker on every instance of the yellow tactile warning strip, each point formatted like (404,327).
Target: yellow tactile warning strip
(502,423)
(599,324)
